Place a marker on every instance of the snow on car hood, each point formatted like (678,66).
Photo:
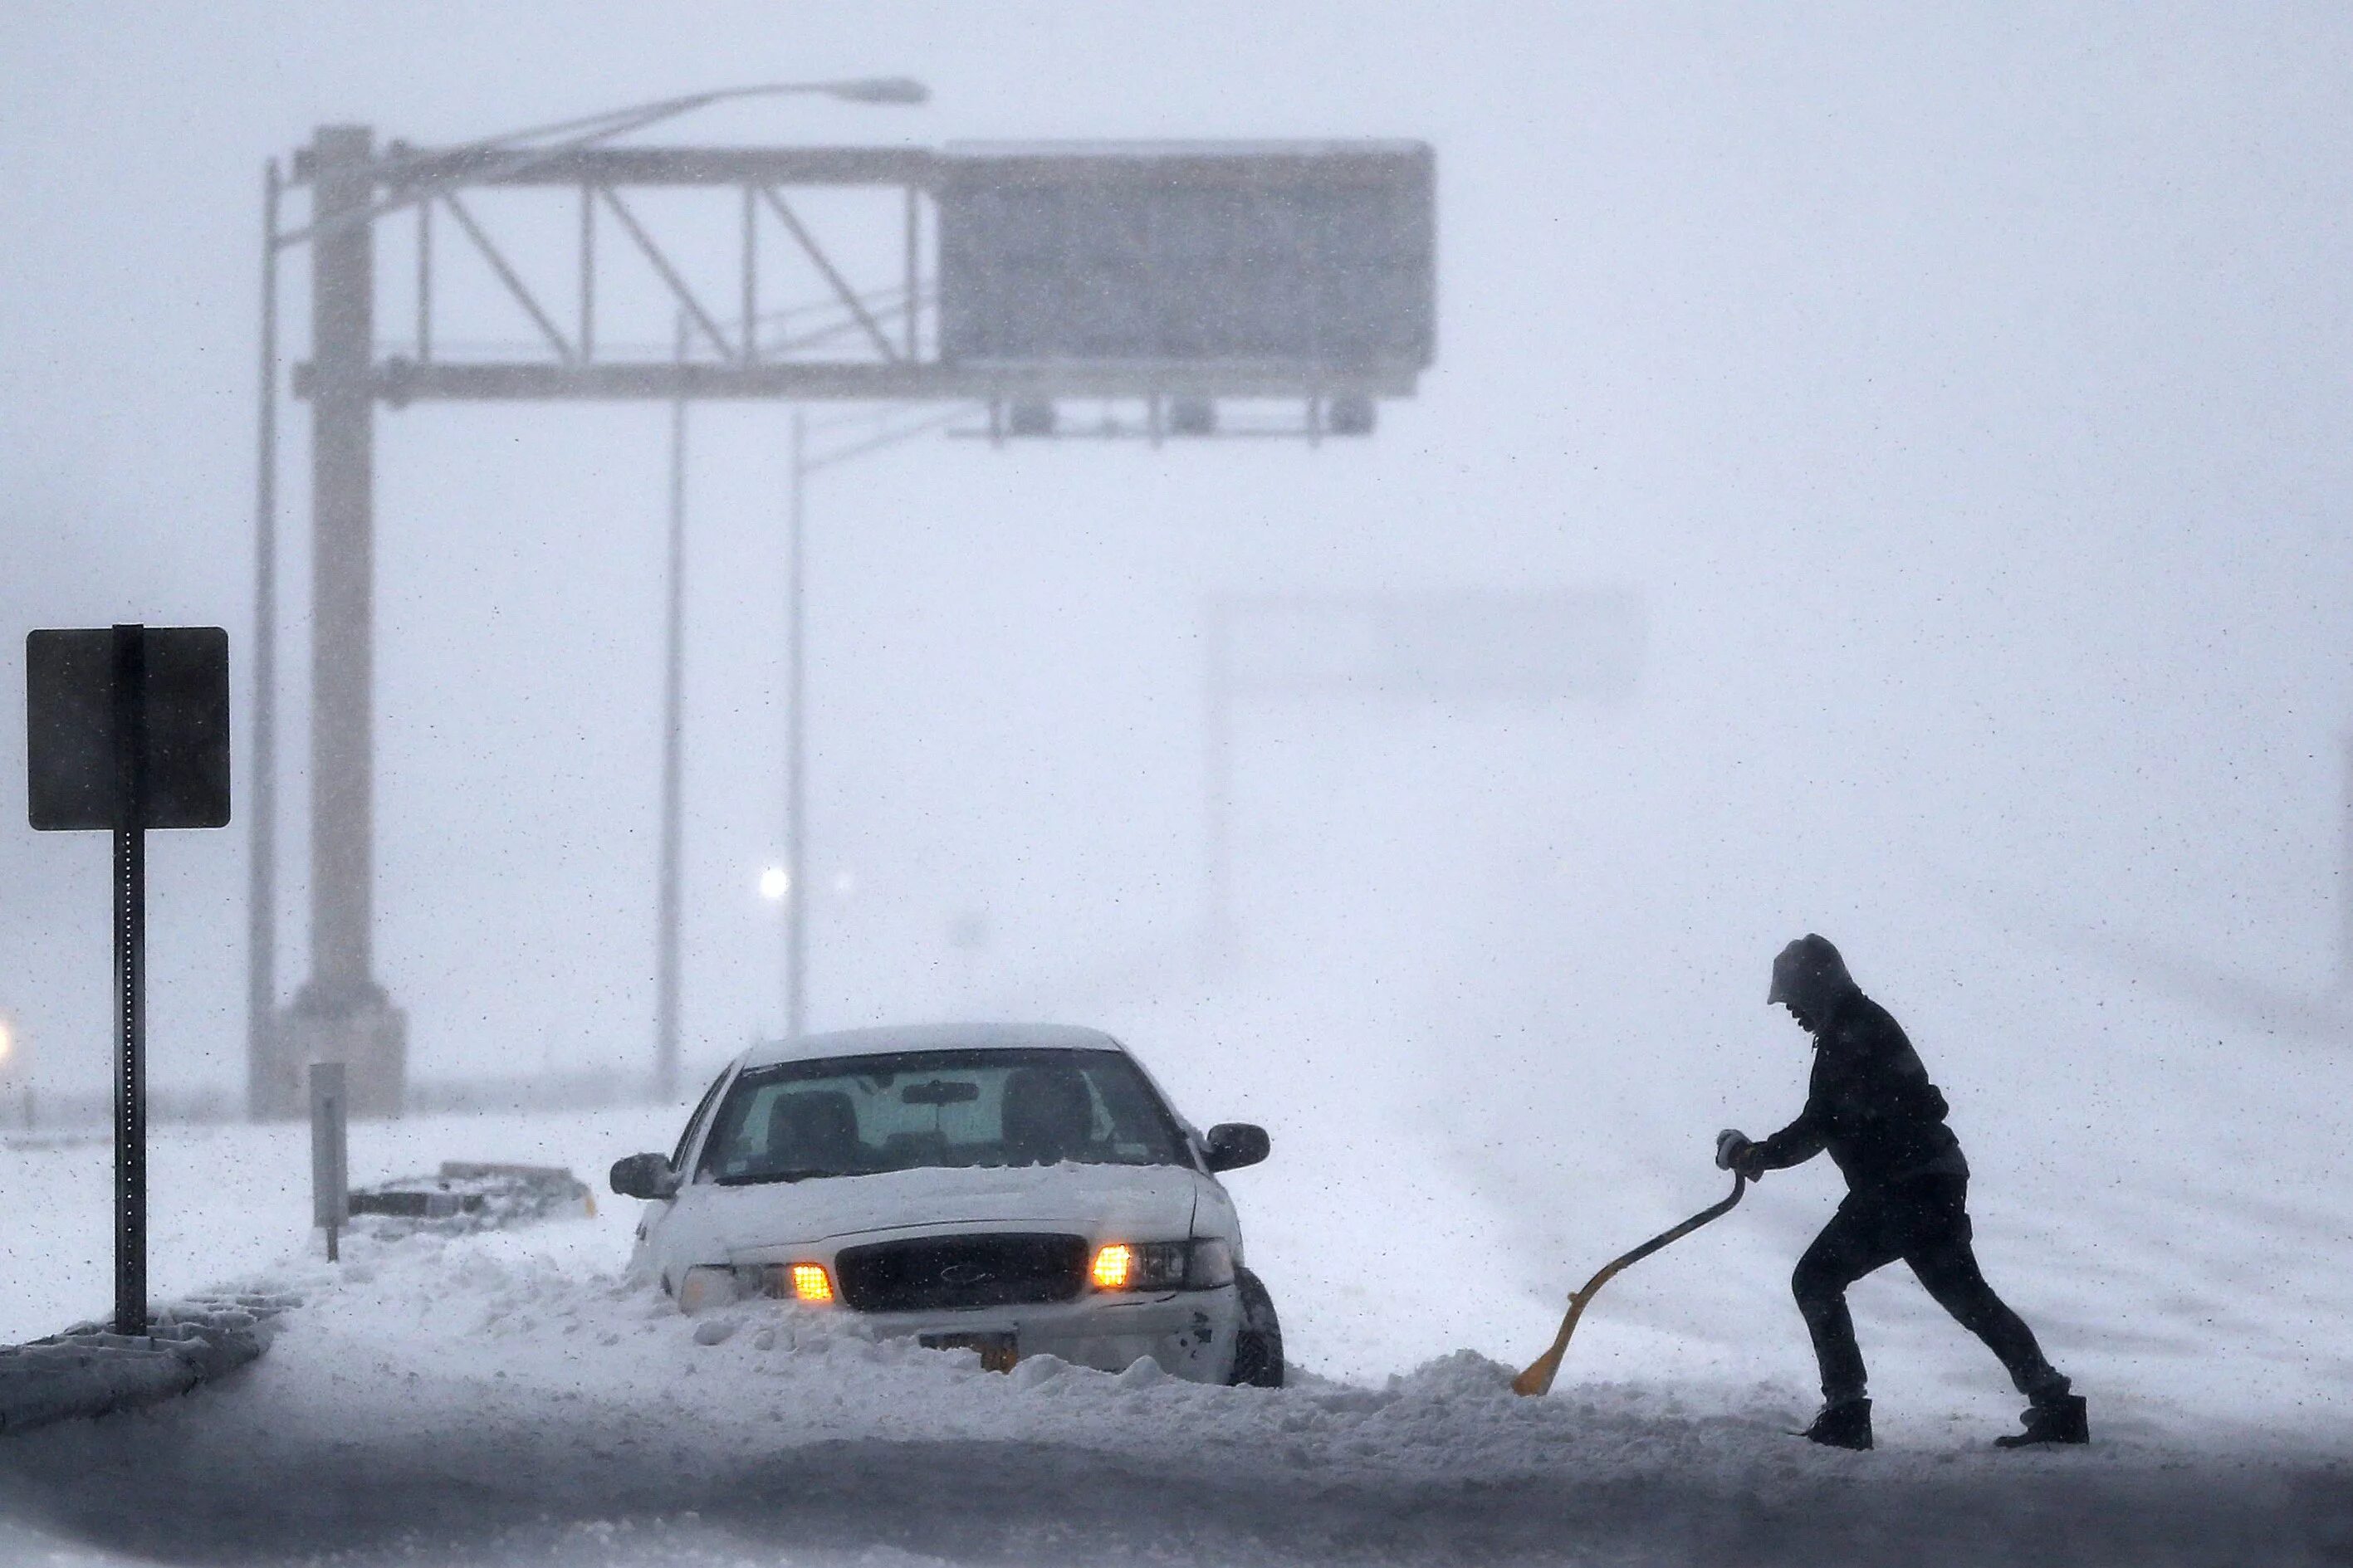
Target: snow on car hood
(1140,1203)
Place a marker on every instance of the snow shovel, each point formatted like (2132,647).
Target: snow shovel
(1538,1378)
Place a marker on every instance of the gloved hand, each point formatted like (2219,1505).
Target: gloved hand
(1732,1152)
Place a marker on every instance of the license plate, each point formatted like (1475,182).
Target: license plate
(997,1351)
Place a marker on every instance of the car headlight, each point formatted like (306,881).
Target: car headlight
(1149,1266)
(701,1288)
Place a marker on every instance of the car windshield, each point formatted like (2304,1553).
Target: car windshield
(855,1116)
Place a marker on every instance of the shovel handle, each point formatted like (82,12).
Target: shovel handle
(1537,1378)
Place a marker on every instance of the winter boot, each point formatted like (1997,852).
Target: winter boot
(2057,1420)
(1842,1424)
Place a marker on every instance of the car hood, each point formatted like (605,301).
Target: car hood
(1140,1203)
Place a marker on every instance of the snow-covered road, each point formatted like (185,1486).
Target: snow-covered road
(509,1398)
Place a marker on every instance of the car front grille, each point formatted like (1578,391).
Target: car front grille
(960,1271)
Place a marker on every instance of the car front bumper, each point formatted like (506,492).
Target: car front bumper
(1191,1334)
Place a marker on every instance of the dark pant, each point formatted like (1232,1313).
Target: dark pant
(1925,1221)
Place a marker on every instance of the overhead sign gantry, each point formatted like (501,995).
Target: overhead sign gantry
(1172,277)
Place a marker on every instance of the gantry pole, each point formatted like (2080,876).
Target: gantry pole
(342,540)
(340,1014)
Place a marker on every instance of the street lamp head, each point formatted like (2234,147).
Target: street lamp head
(880,90)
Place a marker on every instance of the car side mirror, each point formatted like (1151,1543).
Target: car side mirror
(1233,1144)
(647,1177)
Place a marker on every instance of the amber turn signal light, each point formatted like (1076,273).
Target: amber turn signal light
(1113,1265)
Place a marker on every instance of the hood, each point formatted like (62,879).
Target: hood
(1810,975)
(1136,1203)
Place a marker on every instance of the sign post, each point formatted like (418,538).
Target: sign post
(330,1180)
(128,658)
(126,728)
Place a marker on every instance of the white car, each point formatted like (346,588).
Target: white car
(1013,1189)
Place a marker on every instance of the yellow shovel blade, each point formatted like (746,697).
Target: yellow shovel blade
(1537,1378)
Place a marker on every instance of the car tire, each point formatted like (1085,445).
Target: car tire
(1258,1343)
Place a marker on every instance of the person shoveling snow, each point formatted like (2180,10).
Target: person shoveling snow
(1869,1103)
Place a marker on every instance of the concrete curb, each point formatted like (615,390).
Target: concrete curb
(90,1370)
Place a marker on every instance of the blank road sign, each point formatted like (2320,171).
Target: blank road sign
(1467,643)
(1318,257)
(70,714)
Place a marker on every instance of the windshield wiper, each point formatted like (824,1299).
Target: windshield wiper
(756,1177)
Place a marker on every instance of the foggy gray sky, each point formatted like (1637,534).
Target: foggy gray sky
(1967,397)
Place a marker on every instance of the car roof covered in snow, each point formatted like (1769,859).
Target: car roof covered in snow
(931,1038)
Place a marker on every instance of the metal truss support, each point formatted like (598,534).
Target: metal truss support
(670,274)
(499,265)
(403,381)
(840,285)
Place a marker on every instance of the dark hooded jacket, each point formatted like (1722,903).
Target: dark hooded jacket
(1869,1102)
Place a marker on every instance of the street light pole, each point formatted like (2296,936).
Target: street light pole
(794,893)
(796,744)
(1218,924)
(668,916)
(797,880)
